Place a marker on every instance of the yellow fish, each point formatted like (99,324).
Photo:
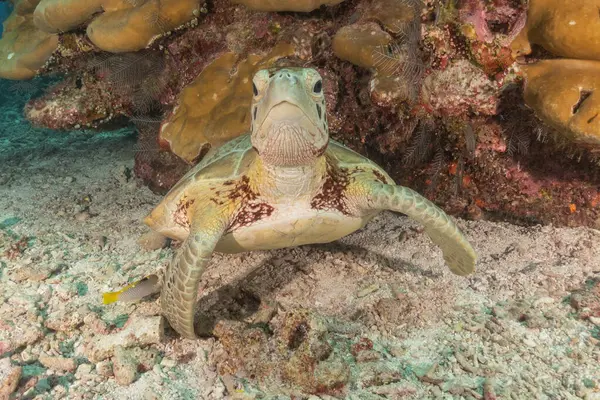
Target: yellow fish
(134,291)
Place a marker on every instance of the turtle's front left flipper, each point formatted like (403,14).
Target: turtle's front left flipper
(457,251)
(182,276)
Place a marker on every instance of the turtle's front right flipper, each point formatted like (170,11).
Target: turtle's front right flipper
(182,276)
(457,251)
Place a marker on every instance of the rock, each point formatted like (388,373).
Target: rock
(104,368)
(58,363)
(9,378)
(332,373)
(33,273)
(368,290)
(152,241)
(142,331)
(376,375)
(66,320)
(367,356)
(30,333)
(83,370)
(83,216)
(127,363)
(392,310)
(124,366)
(460,89)
(168,363)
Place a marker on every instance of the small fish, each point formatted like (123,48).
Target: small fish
(134,291)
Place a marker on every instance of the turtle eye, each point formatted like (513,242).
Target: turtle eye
(318,88)
(254,89)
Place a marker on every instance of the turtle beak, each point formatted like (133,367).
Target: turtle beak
(285,96)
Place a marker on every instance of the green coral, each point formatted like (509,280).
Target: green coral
(34,369)
(8,222)
(82,288)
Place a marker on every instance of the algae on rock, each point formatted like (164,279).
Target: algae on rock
(286,5)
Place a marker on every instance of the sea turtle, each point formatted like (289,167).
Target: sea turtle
(285,183)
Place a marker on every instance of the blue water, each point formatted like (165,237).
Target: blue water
(5,9)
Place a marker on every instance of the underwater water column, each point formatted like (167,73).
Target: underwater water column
(5,10)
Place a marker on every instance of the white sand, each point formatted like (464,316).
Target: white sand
(470,326)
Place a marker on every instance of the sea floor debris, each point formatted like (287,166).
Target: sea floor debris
(376,314)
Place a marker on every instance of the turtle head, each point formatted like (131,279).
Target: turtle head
(289,126)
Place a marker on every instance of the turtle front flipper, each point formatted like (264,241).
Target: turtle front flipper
(182,276)
(457,251)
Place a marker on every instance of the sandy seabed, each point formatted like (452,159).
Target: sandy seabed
(70,219)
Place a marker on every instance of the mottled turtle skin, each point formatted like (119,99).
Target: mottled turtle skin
(283,184)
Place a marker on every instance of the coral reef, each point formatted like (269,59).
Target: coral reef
(286,5)
(23,47)
(214,107)
(116,26)
(563,94)
(357,43)
(566,28)
(434,85)
(561,91)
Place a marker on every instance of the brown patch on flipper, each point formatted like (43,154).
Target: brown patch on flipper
(181,216)
(252,209)
(332,195)
(380,177)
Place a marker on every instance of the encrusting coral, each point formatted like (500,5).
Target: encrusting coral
(396,16)
(214,108)
(385,40)
(564,93)
(561,92)
(567,28)
(358,43)
(117,25)
(431,102)
(286,5)
(23,47)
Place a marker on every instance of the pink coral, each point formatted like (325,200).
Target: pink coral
(473,12)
